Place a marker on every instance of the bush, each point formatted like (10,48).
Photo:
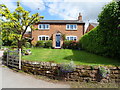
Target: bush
(70,67)
(70,44)
(105,38)
(27,45)
(40,44)
(48,44)
(103,71)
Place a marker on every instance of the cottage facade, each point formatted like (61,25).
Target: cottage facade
(57,30)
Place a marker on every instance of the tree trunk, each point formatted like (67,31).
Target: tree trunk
(20,45)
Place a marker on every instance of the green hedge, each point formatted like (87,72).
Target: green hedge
(48,44)
(105,39)
(44,44)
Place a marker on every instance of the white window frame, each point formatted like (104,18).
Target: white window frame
(71,36)
(43,36)
(42,26)
(70,28)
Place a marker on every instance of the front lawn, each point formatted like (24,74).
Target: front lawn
(66,55)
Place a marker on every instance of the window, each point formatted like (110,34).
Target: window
(43,37)
(71,38)
(43,26)
(71,26)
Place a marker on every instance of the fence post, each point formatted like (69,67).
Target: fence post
(20,58)
(7,57)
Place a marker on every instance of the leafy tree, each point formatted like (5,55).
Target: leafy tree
(18,22)
(105,39)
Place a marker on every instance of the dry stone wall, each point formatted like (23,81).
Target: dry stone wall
(82,72)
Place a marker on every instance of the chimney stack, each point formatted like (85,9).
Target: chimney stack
(79,17)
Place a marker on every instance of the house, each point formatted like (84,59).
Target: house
(91,26)
(55,30)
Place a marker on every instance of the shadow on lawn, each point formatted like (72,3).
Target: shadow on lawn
(89,58)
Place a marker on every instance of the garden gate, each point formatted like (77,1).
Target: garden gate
(14,58)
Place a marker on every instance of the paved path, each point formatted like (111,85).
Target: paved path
(12,79)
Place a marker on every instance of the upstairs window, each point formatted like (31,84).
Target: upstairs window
(71,26)
(43,37)
(43,26)
(71,38)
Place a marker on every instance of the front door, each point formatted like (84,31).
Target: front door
(58,40)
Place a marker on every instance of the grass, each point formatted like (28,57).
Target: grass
(66,55)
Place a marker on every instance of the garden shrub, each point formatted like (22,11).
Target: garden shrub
(27,45)
(70,44)
(105,38)
(40,44)
(48,44)
(68,67)
(104,72)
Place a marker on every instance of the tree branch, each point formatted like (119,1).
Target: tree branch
(27,26)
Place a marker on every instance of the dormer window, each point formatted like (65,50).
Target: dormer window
(43,26)
(71,26)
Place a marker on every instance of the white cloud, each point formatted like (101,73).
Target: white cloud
(70,10)
(34,4)
(66,9)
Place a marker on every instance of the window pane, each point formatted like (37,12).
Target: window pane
(74,38)
(71,26)
(43,26)
(67,26)
(67,38)
(71,38)
(74,26)
(39,38)
(46,26)
(46,38)
(43,38)
(40,26)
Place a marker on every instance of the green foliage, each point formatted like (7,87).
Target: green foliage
(27,45)
(71,44)
(104,71)
(44,44)
(69,67)
(48,44)
(105,39)
(40,44)
(17,23)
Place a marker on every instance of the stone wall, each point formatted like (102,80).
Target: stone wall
(82,72)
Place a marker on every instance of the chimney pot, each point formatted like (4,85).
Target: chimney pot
(80,17)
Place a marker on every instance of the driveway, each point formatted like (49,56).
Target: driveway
(12,79)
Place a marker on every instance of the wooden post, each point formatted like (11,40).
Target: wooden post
(20,58)
(7,57)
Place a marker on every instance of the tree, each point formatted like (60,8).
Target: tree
(18,22)
(105,38)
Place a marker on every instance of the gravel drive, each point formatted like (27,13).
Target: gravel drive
(12,79)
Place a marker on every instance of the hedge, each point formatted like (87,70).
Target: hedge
(105,38)
(44,44)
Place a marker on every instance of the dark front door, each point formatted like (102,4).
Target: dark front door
(57,40)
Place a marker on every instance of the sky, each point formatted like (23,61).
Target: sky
(61,9)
